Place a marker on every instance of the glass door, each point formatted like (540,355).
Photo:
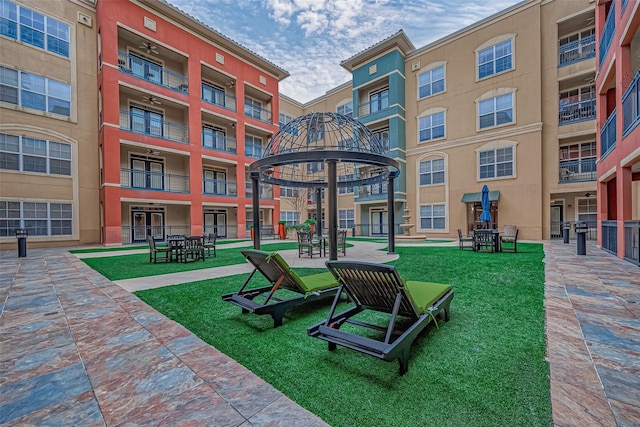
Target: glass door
(145,69)
(138,174)
(157,225)
(146,121)
(379,222)
(147,173)
(216,222)
(139,227)
(147,223)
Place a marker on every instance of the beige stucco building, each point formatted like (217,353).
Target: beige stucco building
(48,123)
(507,102)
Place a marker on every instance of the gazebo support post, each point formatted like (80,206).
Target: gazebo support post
(319,211)
(391,216)
(255,185)
(332,195)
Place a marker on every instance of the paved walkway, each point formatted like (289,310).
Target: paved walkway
(77,349)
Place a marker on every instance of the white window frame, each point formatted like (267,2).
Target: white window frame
(346,107)
(433,216)
(491,45)
(431,171)
(428,72)
(346,218)
(425,122)
(491,98)
(47,155)
(255,140)
(47,214)
(497,147)
(291,217)
(593,212)
(44,92)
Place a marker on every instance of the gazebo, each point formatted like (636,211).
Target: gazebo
(353,156)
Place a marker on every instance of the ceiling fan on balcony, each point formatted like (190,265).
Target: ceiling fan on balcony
(149,47)
(151,100)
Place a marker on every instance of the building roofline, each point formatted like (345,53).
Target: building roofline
(397,40)
(166,8)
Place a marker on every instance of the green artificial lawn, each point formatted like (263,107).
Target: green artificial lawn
(122,267)
(485,367)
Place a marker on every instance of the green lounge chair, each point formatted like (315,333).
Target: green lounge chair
(379,287)
(281,278)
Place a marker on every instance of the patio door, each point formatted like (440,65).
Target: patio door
(556,222)
(146,121)
(147,223)
(147,173)
(145,69)
(215,182)
(216,221)
(379,223)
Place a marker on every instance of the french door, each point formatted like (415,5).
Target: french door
(146,121)
(215,182)
(147,224)
(216,222)
(147,173)
(145,69)
(379,223)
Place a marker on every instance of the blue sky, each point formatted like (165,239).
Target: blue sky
(309,38)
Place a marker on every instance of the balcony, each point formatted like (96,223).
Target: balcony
(153,125)
(217,141)
(374,106)
(266,191)
(155,181)
(577,112)
(631,106)
(608,136)
(257,112)
(218,96)
(577,170)
(217,187)
(372,192)
(607,33)
(152,72)
(579,50)
(253,150)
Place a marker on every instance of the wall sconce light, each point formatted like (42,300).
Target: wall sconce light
(569,206)
(587,195)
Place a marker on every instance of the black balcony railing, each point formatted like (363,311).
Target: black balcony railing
(576,51)
(152,72)
(608,135)
(607,34)
(577,111)
(253,150)
(373,191)
(577,170)
(610,236)
(153,126)
(155,181)
(218,187)
(632,241)
(631,105)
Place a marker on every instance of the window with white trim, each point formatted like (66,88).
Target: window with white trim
(283,119)
(253,108)
(431,127)
(289,216)
(24,154)
(379,100)
(495,111)
(346,109)
(496,163)
(34,28)
(588,211)
(495,59)
(288,191)
(38,218)
(383,135)
(346,218)
(34,91)
(253,146)
(432,217)
(432,172)
(431,82)
(314,167)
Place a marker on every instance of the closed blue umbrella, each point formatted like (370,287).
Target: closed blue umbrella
(486,206)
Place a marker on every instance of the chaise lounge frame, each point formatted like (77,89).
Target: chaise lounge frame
(280,276)
(379,287)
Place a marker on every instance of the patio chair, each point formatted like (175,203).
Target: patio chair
(193,248)
(378,287)
(307,245)
(509,243)
(464,241)
(154,251)
(342,242)
(484,240)
(285,290)
(210,243)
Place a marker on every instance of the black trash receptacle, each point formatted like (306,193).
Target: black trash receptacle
(21,235)
(581,237)
(566,228)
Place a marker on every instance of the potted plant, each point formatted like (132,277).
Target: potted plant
(312,224)
(282,229)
